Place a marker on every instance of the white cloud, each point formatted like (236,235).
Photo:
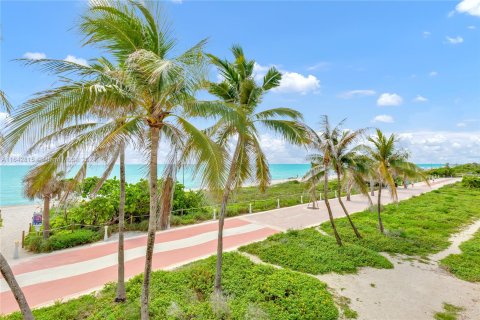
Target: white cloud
(433,73)
(357,93)
(35,55)
(471,7)
(323,65)
(420,98)
(383,118)
(426,34)
(389,99)
(280,151)
(292,82)
(461,124)
(442,146)
(76,60)
(471,27)
(455,40)
(295,82)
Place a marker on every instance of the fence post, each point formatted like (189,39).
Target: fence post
(214,214)
(335,193)
(301,199)
(320,197)
(250,208)
(23,238)
(15,251)
(278,203)
(131,219)
(105,236)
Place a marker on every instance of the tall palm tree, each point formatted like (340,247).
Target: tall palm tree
(388,161)
(161,85)
(343,157)
(38,184)
(240,125)
(5,269)
(323,144)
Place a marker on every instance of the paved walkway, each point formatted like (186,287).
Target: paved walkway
(61,275)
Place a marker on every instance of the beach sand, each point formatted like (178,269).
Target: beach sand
(15,219)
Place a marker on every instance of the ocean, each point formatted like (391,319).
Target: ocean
(11,188)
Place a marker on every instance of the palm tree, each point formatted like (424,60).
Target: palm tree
(357,172)
(323,144)
(38,183)
(387,162)
(241,94)
(161,85)
(5,269)
(343,157)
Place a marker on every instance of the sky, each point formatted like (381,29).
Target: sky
(407,67)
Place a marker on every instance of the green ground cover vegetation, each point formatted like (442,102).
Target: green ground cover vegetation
(465,265)
(252,292)
(311,252)
(418,226)
(450,312)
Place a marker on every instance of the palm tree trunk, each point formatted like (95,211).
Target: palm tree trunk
(144,300)
(121,294)
(349,191)
(221,218)
(339,188)
(327,203)
(46,216)
(379,206)
(372,188)
(166,199)
(165,204)
(7,274)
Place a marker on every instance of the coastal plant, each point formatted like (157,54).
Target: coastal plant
(346,159)
(419,226)
(38,183)
(387,163)
(161,85)
(255,292)
(239,92)
(321,162)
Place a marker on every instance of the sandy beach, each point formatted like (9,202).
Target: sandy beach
(15,220)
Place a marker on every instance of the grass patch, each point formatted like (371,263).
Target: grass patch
(465,265)
(311,252)
(451,312)
(419,226)
(252,292)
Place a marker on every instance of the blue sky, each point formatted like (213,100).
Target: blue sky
(412,68)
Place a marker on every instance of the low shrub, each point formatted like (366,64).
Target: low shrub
(61,240)
(471,182)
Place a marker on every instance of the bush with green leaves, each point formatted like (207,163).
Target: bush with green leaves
(61,239)
(251,291)
(471,182)
(103,207)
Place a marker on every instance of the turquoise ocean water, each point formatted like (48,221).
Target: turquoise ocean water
(11,177)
